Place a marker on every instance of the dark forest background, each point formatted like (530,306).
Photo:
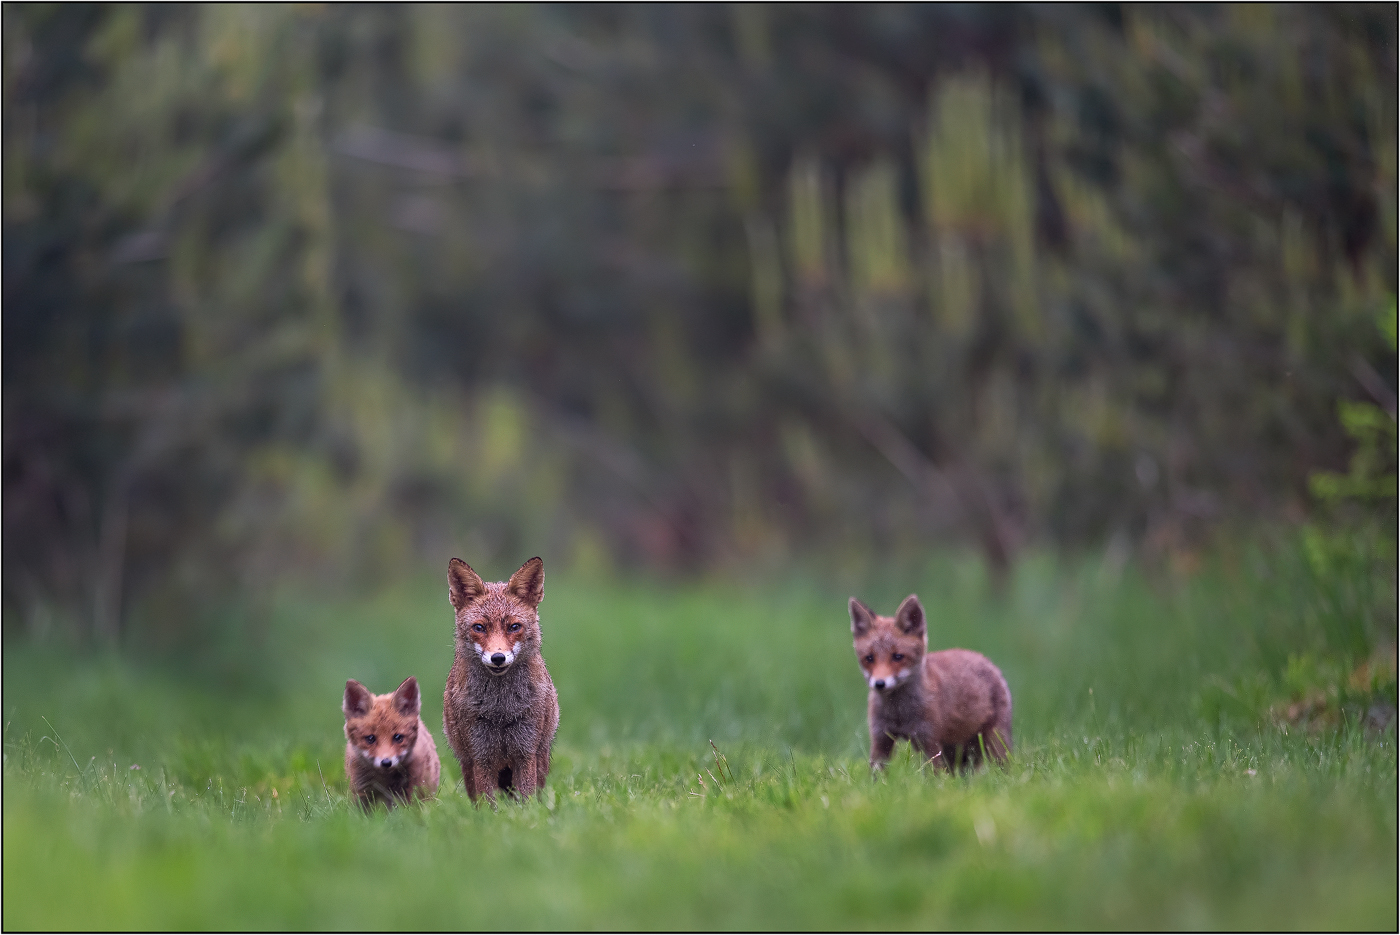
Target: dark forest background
(344,290)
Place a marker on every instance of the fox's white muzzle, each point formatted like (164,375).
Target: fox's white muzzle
(385,762)
(497,662)
(890,682)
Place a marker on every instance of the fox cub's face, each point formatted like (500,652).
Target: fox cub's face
(497,623)
(382,728)
(889,649)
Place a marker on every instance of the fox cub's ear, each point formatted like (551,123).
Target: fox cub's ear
(528,582)
(357,701)
(406,697)
(910,616)
(862,617)
(463,584)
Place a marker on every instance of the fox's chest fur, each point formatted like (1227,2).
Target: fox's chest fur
(903,713)
(500,714)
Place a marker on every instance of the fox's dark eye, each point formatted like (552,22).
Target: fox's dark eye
(479,628)
(513,627)
(369,738)
(898,656)
(869,658)
(398,738)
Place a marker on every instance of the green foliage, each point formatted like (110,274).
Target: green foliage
(1386,322)
(1371,479)
(1372,475)
(1136,795)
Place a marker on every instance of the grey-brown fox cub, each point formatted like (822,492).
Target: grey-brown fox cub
(951,705)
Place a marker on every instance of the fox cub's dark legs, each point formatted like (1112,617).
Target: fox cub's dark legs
(988,745)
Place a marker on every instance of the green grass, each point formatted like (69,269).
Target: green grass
(1152,785)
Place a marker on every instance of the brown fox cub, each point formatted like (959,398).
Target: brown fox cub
(389,755)
(951,705)
(500,710)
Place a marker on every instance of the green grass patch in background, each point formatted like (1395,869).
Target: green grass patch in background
(1165,774)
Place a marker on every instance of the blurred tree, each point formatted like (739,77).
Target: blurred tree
(330,287)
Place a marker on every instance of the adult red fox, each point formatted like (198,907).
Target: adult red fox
(952,705)
(500,710)
(389,755)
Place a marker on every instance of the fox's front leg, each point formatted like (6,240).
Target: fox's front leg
(930,749)
(469,777)
(881,746)
(469,781)
(526,780)
(541,764)
(484,783)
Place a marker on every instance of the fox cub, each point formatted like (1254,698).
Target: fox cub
(500,710)
(389,755)
(951,705)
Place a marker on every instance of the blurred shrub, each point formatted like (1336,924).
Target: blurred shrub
(1372,474)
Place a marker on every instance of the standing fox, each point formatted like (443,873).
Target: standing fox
(951,705)
(500,710)
(389,754)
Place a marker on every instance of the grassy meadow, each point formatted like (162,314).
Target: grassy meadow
(1194,748)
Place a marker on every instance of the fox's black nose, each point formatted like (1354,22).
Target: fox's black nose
(498,659)
(386,763)
(879,685)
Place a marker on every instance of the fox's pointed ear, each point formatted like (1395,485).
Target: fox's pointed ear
(910,616)
(357,701)
(528,582)
(862,618)
(463,584)
(406,697)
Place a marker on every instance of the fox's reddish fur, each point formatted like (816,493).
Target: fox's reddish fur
(499,718)
(382,729)
(951,705)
